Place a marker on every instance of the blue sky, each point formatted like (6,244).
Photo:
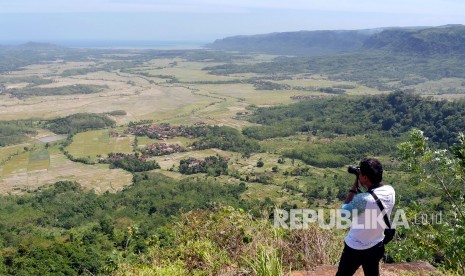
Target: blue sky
(206,20)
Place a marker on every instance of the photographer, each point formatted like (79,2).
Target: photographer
(364,244)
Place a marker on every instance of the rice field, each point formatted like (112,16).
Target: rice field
(142,97)
(31,170)
(98,143)
(38,160)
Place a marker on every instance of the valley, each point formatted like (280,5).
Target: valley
(133,161)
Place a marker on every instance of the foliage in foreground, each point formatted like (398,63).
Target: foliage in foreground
(67,231)
(231,240)
(438,237)
(70,231)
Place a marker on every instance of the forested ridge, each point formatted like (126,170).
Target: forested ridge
(437,40)
(392,114)
(304,43)
(63,230)
(418,40)
(389,59)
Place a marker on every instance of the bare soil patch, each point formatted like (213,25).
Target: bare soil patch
(413,268)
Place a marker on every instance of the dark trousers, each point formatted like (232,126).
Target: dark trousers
(352,259)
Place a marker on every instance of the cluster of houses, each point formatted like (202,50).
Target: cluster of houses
(158,149)
(113,157)
(194,163)
(216,164)
(113,134)
(161,132)
(304,98)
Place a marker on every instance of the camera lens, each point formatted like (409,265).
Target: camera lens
(354,170)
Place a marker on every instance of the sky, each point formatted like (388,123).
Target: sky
(207,20)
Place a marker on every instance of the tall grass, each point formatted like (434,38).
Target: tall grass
(226,241)
(267,263)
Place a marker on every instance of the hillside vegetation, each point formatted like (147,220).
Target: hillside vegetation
(74,232)
(389,59)
(378,69)
(392,114)
(449,39)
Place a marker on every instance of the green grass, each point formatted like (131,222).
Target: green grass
(6,152)
(17,164)
(31,170)
(282,144)
(442,86)
(260,191)
(247,93)
(98,142)
(39,160)
(190,72)
(267,263)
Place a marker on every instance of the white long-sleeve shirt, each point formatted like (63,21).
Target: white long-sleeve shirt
(367,226)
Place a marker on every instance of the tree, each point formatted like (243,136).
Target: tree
(442,170)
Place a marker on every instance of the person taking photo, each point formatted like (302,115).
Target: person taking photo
(364,244)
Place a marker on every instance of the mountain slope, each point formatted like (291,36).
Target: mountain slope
(303,43)
(448,39)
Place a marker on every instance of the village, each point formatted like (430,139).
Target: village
(213,165)
(164,131)
(159,149)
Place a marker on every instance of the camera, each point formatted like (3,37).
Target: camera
(354,170)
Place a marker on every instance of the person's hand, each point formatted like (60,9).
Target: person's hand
(356,184)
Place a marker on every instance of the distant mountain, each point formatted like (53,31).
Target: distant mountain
(448,39)
(421,40)
(31,45)
(303,43)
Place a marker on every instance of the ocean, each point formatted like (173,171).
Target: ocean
(120,44)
